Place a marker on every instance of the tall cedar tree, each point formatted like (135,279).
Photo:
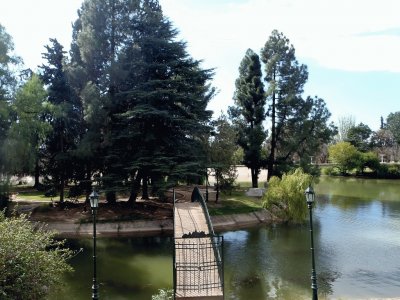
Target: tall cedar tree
(153,95)
(99,33)
(8,82)
(249,113)
(298,126)
(164,111)
(65,118)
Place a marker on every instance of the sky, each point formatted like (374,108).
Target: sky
(351,48)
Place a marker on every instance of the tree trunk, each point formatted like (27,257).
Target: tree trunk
(62,179)
(271,158)
(135,187)
(254,177)
(37,174)
(62,186)
(88,185)
(217,178)
(145,188)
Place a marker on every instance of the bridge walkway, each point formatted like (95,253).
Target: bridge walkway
(198,272)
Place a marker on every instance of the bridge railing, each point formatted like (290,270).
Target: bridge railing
(197,269)
(197,196)
(197,261)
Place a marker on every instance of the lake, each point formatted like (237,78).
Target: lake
(357,247)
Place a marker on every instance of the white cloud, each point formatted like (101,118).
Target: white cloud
(336,34)
(32,23)
(329,32)
(350,35)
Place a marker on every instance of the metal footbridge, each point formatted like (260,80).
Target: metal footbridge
(198,264)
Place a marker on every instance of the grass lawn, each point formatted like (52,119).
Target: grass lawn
(235,203)
(28,193)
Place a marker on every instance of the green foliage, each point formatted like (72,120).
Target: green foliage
(330,170)
(29,129)
(163,294)
(285,196)
(393,124)
(359,136)
(369,160)
(238,156)
(221,152)
(8,82)
(249,113)
(388,171)
(298,126)
(345,155)
(8,65)
(65,119)
(32,262)
(128,64)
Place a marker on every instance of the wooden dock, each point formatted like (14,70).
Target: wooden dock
(197,262)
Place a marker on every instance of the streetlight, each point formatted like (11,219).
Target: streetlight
(310,196)
(94,204)
(206,184)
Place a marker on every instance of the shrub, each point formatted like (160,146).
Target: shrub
(388,171)
(285,197)
(32,262)
(345,156)
(369,160)
(330,170)
(163,294)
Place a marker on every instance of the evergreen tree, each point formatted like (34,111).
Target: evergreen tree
(298,126)
(152,94)
(164,112)
(65,118)
(393,124)
(8,83)
(359,136)
(249,113)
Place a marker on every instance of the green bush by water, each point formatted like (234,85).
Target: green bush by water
(285,197)
(163,294)
(32,262)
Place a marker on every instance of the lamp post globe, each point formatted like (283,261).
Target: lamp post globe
(94,200)
(94,204)
(310,198)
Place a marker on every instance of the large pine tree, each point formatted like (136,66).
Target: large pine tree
(249,113)
(152,93)
(298,126)
(65,118)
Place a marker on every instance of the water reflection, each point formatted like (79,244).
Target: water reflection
(356,245)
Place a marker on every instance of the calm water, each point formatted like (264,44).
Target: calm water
(357,241)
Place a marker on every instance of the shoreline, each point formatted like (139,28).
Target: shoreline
(156,227)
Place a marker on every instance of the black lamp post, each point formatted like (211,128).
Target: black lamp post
(94,204)
(206,184)
(310,196)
